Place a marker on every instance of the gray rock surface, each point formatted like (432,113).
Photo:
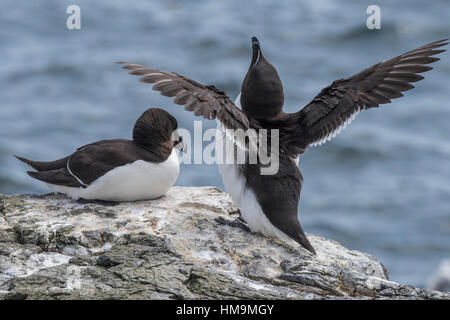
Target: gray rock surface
(171,248)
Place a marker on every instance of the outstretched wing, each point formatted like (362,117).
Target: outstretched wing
(338,104)
(206,101)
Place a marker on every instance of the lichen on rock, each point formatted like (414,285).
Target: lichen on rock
(52,247)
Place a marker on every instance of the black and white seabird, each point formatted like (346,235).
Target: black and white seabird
(120,169)
(269,203)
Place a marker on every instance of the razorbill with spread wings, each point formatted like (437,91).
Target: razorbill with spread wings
(269,203)
(120,169)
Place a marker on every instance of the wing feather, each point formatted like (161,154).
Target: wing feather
(206,101)
(338,104)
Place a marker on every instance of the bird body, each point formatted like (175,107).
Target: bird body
(133,181)
(241,181)
(120,169)
(269,203)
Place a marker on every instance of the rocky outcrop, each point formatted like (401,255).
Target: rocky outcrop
(171,248)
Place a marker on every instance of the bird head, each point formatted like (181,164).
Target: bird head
(262,91)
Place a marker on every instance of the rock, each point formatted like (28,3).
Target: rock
(171,248)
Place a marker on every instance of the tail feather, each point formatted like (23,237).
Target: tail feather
(304,242)
(295,231)
(44,165)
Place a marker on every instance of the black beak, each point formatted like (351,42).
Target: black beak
(256,50)
(178,142)
(255,42)
(180,145)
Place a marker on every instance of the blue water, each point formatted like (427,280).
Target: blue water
(382,186)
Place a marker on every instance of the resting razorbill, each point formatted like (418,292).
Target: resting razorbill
(269,203)
(120,169)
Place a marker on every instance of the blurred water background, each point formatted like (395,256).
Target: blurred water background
(382,186)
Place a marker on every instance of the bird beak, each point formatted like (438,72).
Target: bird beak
(256,51)
(181,146)
(178,142)
(255,43)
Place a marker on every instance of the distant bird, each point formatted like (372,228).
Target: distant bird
(268,203)
(119,170)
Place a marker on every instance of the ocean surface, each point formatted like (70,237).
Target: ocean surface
(382,186)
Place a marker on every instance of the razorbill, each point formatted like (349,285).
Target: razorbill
(120,169)
(269,203)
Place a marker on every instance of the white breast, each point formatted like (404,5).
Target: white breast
(243,198)
(139,180)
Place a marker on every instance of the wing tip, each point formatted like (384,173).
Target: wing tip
(19,158)
(126,65)
(144,80)
(33,174)
(123,64)
(435,52)
(442,41)
(38,175)
(436,44)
